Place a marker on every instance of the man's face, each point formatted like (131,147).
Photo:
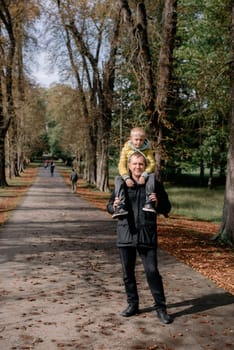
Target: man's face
(136,165)
(137,139)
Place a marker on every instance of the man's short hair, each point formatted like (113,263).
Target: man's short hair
(137,155)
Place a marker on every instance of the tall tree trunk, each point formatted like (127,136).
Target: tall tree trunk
(165,66)
(226,232)
(3,181)
(90,172)
(3,130)
(140,55)
(13,147)
(91,165)
(20,86)
(106,106)
(9,52)
(102,157)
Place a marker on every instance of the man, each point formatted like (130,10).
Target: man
(52,166)
(74,179)
(137,233)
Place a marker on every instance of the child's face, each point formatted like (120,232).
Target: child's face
(137,139)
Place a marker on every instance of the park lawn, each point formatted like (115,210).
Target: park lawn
(198,203)
(187,239)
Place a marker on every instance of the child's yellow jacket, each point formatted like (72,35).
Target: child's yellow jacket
(127,150)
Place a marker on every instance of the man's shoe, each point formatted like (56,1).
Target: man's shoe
(130,311)
(119,211)
(149,206)
(164,317)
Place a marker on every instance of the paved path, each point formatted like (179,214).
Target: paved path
(61,284)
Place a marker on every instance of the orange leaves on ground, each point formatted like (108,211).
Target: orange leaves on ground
(191,242)
(10,195)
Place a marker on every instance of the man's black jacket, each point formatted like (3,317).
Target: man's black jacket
(139,228)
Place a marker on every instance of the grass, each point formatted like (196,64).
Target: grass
(197,203)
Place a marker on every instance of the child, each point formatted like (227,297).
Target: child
(137,142)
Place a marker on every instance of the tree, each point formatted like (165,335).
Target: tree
(91,33)
(139,53)
(154,86)
(24,14)
(164,76)
(7,113)
(201,87)
(226,232)
(34,141)
(62,116)
(14,16)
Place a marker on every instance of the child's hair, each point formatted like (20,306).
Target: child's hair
(137,130)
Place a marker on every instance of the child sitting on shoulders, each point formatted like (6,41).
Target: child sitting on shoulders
(137,143)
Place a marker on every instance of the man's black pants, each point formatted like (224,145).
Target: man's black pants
(149,260)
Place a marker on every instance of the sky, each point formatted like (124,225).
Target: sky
(42,74)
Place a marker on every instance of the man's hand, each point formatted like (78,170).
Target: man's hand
(129,182)
(154,199)
(141,180)
(116,202)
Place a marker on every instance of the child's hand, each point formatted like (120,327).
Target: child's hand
(129,182)
(141,180)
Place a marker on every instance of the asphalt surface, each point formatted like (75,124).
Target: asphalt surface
(61,284)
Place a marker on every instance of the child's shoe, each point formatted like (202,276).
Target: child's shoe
(119,211)
(149,206)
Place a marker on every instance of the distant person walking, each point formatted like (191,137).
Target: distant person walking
(74,179)
(52,166)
